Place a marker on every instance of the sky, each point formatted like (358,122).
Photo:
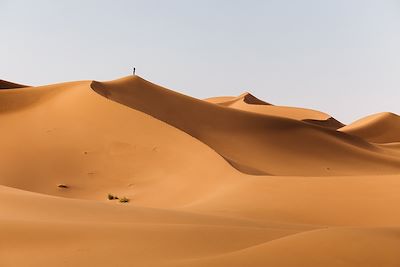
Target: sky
(341,56)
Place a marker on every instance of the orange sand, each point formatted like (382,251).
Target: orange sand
(227,181)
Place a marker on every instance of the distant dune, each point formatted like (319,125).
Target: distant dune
(248,102)
(377,128)
(226,181)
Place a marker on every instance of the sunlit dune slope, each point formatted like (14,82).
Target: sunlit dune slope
(377,128)
(335,201)
(253,143)
(69,134)
(65,232)
(51,231)
(248,102)
(346,247)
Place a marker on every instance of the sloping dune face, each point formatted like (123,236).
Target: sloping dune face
(377,128)
(222,182)
(253,143)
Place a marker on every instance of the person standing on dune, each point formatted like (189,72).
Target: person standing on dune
(134,71)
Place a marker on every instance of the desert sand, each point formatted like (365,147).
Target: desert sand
(225,181)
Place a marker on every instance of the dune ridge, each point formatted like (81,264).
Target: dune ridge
(228,181)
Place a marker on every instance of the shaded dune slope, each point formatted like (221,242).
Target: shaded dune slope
(253,143)
(10,85)
(377,128)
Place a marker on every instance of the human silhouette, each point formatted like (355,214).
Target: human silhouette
(134,71)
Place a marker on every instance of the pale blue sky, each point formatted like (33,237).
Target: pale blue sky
(338,56)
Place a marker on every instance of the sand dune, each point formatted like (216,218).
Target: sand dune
(377,128)
(230,101)
(253,143)
(78,138)
(229,181)
(248,102)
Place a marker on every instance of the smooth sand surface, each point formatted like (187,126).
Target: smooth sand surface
(226,181)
